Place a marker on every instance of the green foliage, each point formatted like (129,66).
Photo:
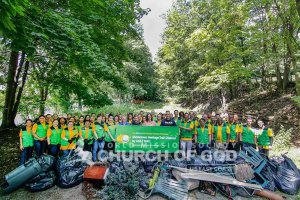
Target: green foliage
(123,183)
(282,140)
(79,51)
(220,45)
(296,99)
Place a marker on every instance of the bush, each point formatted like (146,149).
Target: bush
(282,140)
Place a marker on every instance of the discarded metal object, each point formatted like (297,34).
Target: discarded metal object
(204,176)
(172,189)
(191,184)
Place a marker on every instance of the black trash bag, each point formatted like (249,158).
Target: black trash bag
(286,176)
(42,182)
(70,171)
(46,162)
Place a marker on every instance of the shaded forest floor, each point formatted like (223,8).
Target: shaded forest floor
(276,110)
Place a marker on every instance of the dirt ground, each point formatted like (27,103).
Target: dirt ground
(76,193)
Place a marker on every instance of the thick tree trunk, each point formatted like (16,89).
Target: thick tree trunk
(43,98)
(21,88)
(7,120)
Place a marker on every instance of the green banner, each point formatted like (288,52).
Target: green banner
(147,138)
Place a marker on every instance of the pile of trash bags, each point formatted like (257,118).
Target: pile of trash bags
(68,171)
(285,174)
(44,172)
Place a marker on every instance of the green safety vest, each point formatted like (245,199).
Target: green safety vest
(248,135)
(203,136)
(55,136)
(41,131)
(186,133)
(224,134)
(66,143)
(99,129)
(112,130)
(27,138)
(177,121)
(88,135)
(79,127)
(232,128)
(263,139)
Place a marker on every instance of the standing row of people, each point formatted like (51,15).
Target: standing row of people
(52,134)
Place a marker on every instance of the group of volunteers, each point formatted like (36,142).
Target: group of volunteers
(53,134)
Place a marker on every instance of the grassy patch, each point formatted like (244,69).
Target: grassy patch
(148,106)
(296,99)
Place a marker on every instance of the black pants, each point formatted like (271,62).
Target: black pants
(109,146)
(87,147)
(236,146)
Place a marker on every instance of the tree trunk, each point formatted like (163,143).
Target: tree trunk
(21,88)
(7,120)
(43,98)
(277,70)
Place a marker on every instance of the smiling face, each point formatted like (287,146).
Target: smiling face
(42,119)
(70,124)
(55,123)
(28,123)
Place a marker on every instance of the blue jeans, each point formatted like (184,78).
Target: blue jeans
(201,148)
(97,146)
(39,147)
(65,152)
(26,154)
(53,149)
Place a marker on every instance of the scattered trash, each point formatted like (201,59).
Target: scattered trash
(42,182)
(286,175)
(70,170)
(24,173)
(96,174)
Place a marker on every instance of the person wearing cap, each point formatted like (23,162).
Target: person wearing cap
(264,138)
(248,136)
(202,136)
